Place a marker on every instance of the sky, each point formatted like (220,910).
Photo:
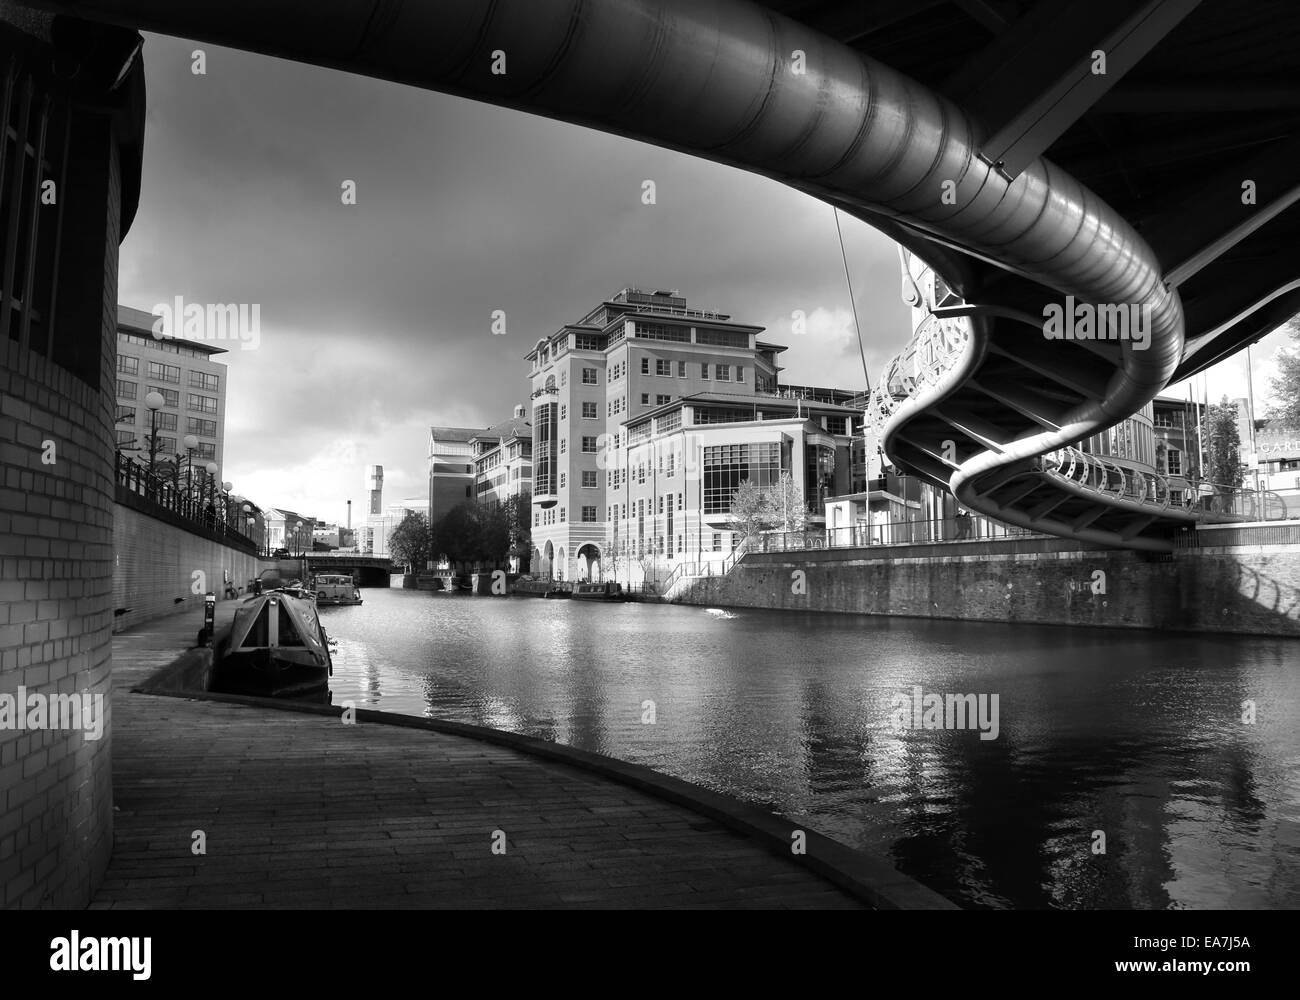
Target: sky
(375,318)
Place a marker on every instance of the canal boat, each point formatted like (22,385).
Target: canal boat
(607,591)
(276,648)
(335,588)
(558,593)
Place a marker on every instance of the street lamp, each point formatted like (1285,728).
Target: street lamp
(297,536)
(154,401)
(191,442)
(225,504)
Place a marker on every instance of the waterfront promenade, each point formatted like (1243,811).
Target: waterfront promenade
(300,810)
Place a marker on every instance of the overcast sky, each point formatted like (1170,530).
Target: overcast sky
(376,317)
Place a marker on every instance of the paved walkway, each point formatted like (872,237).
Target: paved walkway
(304,811)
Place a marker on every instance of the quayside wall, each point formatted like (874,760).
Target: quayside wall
(1231,580)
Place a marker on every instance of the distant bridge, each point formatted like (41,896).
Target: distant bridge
(367,570)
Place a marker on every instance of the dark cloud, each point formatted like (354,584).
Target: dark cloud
(375,318)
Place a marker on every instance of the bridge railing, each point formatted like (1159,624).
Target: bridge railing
(1205,501)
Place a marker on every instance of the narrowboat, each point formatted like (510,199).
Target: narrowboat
(276,648)
(599,592)
(335,588)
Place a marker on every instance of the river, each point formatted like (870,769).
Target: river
(1121,775)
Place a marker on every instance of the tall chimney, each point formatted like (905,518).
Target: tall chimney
(349,515)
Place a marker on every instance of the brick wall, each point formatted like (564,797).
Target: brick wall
(155,567)
(56,568)
(1253,590)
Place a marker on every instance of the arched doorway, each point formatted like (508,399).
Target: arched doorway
(589,567)
(559,565)
(547,565)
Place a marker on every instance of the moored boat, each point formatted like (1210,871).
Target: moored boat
(335,588)
(276,648)
(606,591)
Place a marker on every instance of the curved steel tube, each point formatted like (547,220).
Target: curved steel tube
(716,78)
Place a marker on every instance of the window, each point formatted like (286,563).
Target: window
(206,451)
(672,459)
(1175,460)
(126,390)
(588,480)
(722,373)
(589,411)
(128,366)
(564,444)
(662,400)
(466,488)
(561,480)
(740,373)
(204,404)
(717,541)
(679,544)
(664,368)
(201,380)
(208,428)
(537,519)
(704,370)
(564,411)
(645,366)
(164,373)
(171,397)
(645,399)
(564,379)
(589,514)
(609,408)
(640,473)
(835,425)
(669,421)
(589,376)
(564,512)
(721,338)
(660,509)
(681,497)
(589,445)
(125,438)
(681,369)
(126,414)
(662,331)
(727,466)
(166,421)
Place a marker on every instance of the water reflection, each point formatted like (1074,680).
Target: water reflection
(1121,734)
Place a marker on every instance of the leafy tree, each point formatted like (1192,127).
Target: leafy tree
(788,505)
(1222,443)
(1286,383)
(751,509)
(409,542)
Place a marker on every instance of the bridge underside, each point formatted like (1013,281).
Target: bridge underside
(983,135)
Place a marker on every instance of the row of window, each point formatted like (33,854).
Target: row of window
(127,440)
(171,397)
(169,422)
(170,345)
(658,544)
(589,411)
(721,373)
(546,517)
(588,445)
(167,373)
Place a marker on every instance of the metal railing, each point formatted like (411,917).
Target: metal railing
(203,507)
(1205,501)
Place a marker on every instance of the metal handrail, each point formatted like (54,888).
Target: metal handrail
(167,495)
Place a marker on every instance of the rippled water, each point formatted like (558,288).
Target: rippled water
(1131,734)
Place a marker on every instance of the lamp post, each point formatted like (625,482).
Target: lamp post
(191,442)
(297,536)
(154,402)
(225,505)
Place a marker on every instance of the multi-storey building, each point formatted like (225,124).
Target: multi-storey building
(647,415)
(503,460)
(191,383)
(287,529)
(451,468)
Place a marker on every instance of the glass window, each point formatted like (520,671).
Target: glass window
(202,380)
(171,397)
(645,399)
(681,369)
(589,445)
(722,373)
(588,480)
(664,368)
(704,370)
(564,411)
(589,376)
(128,366)
(126,414)
(589,411)
(727,466)
(126,438)
(645,366)
(663,400)
(589,514)
(126,390)
(164,373)
(204,404)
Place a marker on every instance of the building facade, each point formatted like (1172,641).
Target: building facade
(647,414)
(193,386)
(451,468)
(503,460)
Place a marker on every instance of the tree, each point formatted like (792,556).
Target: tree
(1286,383)
(1222,443)
(788,506)
(751,509)
(409,541)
